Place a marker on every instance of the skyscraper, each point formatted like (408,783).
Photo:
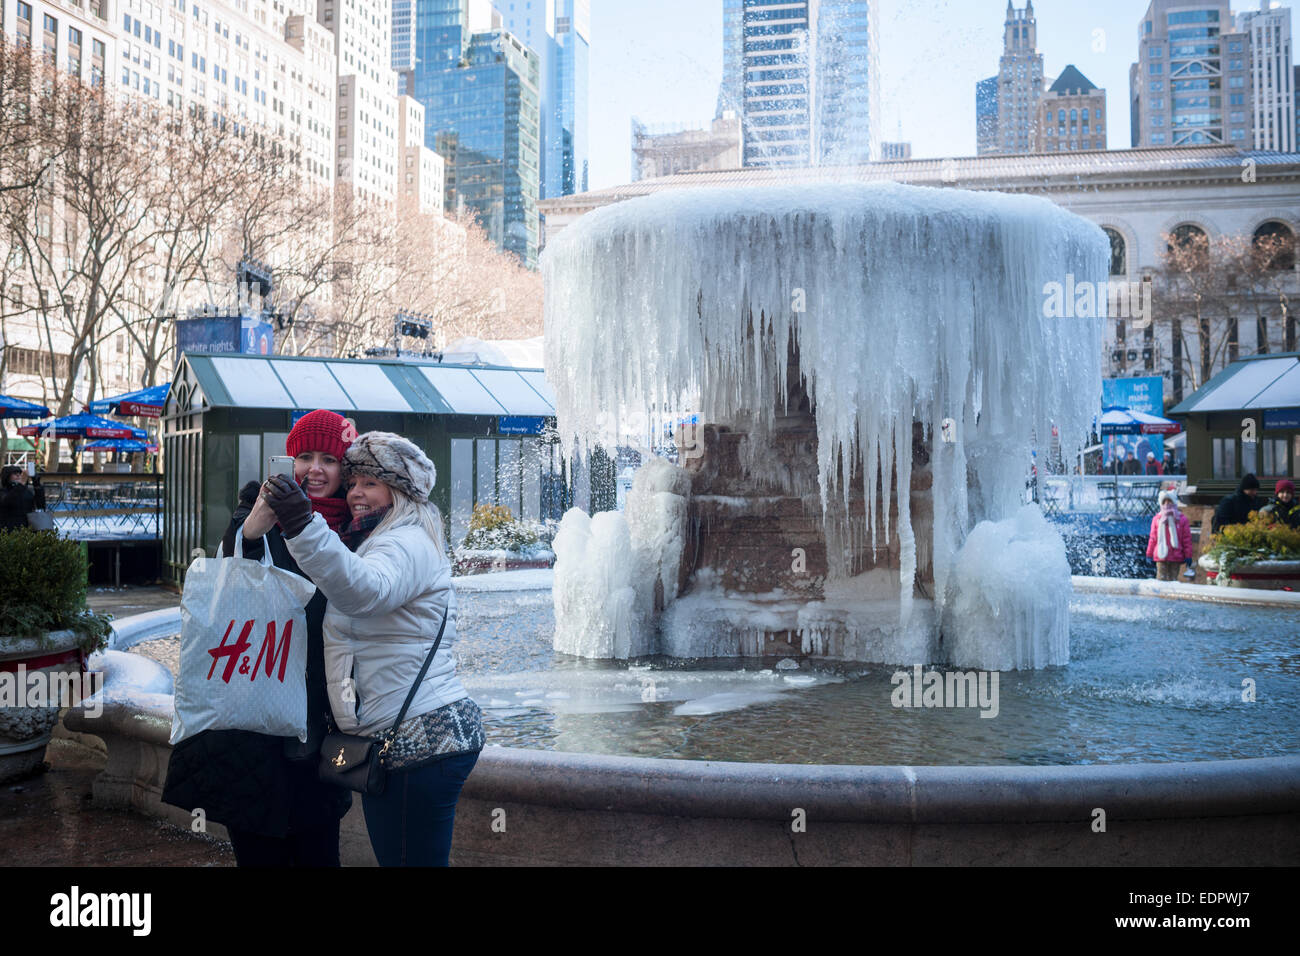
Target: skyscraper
(1191,83)
(1073,114)
(807,74)
(731,93)
(559,32)
(1007,106)
(1273,95)
(367,96)
(986,116)
(403,36)
(480,89)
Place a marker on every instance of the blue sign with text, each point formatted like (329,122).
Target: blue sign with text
(519,425)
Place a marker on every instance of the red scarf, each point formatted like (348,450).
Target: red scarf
(333,510)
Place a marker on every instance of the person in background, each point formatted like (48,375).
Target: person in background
(1152,466)
(1284,508)
(1169,463)
(17,500)
(1170,541)
(1129,464)
(1236,507)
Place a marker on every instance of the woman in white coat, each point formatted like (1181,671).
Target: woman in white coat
(388,584)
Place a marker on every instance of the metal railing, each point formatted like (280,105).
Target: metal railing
(105,505)
(1123,495)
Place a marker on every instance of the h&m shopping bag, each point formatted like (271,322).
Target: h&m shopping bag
(243,662)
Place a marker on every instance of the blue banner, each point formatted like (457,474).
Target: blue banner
(212,336)
(519,425)
(1282,418)
(1129,452)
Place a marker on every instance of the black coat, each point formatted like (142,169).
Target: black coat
(1288,513)
(17,501)
(253,781)
(1234,509)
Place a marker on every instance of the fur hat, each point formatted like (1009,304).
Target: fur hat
(395,461)
(1169,495)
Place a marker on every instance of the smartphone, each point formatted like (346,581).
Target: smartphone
(31,469)
(280,465)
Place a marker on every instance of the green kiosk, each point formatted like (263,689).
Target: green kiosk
(489,430)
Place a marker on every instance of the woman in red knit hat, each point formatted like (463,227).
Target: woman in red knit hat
(265,790)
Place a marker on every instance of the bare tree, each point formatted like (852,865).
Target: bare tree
(1198,293)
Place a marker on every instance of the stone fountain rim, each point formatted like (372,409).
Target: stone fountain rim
(832,792)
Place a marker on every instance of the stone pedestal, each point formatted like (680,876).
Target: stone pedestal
(756,531)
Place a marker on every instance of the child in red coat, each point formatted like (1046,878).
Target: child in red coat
(1170,543)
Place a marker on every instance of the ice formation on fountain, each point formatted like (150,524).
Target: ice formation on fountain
(905,304)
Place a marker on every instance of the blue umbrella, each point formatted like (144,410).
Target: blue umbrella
(17,408)
(82,425)
(147,402)
(1118,420)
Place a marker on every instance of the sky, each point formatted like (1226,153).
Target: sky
(661,61)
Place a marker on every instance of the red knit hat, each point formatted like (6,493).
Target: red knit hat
(322,431)
(1286,484)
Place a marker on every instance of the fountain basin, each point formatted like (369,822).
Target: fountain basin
(582,808)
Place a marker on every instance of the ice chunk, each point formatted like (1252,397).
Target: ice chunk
(1008,605)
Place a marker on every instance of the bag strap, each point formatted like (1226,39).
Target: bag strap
(420,679)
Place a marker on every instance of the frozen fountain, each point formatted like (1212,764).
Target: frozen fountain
(842,342)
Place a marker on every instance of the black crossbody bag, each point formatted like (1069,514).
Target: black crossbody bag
(356,762)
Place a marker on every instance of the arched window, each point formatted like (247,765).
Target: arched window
(1275,245)
(1191,244)
(1118,253)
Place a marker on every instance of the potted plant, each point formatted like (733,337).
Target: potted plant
(496,541)
(1261,553)
(45,630)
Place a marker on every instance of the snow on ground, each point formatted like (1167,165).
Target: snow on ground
(527,579)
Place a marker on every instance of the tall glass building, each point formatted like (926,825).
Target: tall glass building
(481,93)
(403,37)
(732,92)
(804,75)
(559,31)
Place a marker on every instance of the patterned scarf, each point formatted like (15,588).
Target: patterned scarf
(333,510)
(1166,533)
(361,526)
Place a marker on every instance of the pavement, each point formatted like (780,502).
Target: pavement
(49,820)
(125,601)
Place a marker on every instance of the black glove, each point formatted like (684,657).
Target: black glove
(291,505)
(247,498)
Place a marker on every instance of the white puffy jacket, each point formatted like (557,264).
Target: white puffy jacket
(386,602)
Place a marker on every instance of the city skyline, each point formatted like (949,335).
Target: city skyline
(644,64)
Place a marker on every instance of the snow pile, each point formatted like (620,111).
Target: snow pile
(615,570)
(1008,604)
(905,304)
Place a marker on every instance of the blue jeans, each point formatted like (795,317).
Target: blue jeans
(410,823)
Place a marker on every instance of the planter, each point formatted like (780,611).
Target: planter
(25,731)
(1270,575)
(481,562)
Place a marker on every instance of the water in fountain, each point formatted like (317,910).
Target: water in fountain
(901,307)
